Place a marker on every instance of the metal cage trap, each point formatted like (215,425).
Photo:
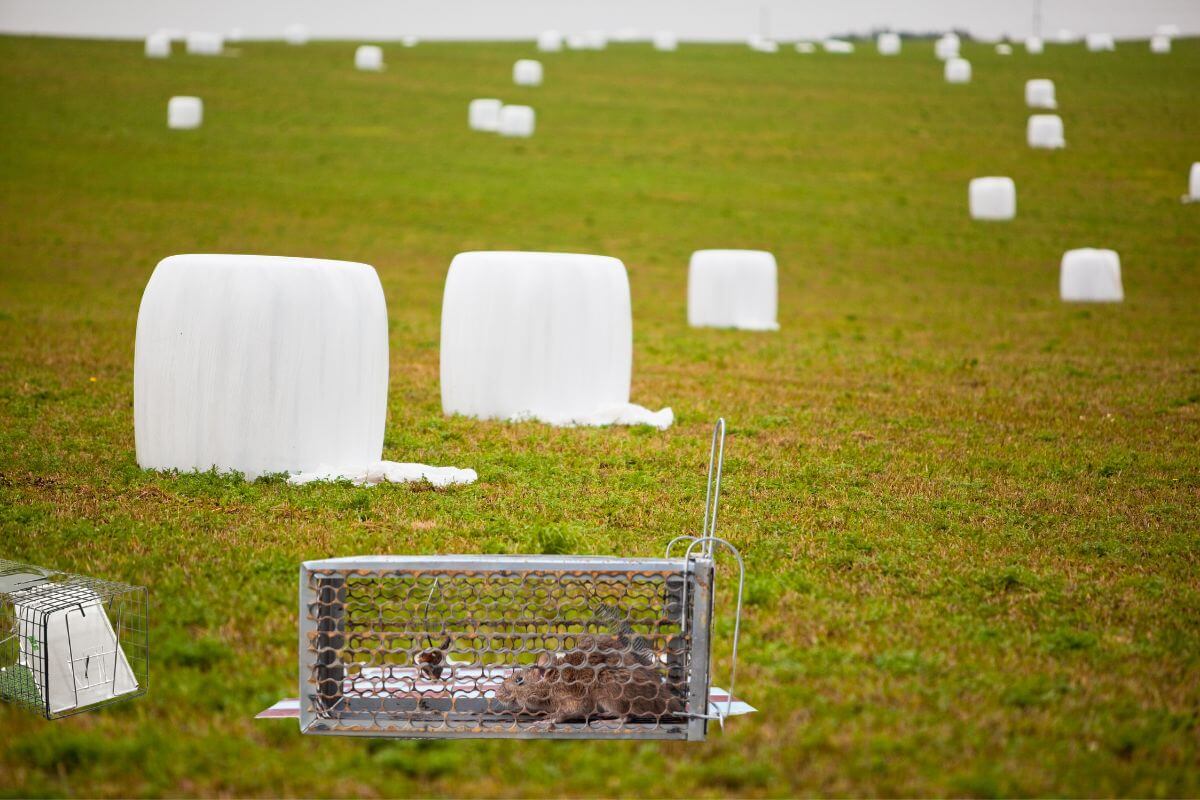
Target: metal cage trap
(70,643)
(516,646)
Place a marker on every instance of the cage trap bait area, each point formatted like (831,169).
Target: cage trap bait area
(506,646)
(70,643)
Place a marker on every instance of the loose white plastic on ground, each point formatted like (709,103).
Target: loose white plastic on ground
(388,472)
(540,336)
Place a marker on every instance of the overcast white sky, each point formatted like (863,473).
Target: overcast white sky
(509,19)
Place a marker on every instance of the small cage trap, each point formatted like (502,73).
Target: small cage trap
(69,643)
(516,646)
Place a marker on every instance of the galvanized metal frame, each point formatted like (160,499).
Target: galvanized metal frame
(322,677)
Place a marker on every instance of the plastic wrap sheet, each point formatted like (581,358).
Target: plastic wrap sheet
(388,472)
(958,70)
(260,364)
(516,121)
(733,289)
(527,72)
(992,198)
(184,112)
(368,58)
(1039,93)
(1089,275)
(483,114)
(1045,131)
(540,336)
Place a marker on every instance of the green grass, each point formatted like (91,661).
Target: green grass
(970,513)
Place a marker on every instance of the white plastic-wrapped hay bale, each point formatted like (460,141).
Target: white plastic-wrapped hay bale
(235,35)
(409,41)
(805,47)
(483,114)
(946,47)
(838,46)
(158,45)
(295,34)
(1004,49)
(184,112)
(260,364)
(1167,29)
(1160,44)
(665,41)
(550,41)
(760,44)
(576,41)
(1066,36)
(1193,195)
(1091,276)
(733,289)
(958,70)
(1039,93)
(545,336)
(595,40)
(992,198)
(1045,131)
(1034,45)
(368,58)
(888,44)
(1100,42)
(205,43)
(265,364)
(527,72)
(516,121)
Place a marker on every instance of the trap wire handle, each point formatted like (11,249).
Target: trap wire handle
(712,494)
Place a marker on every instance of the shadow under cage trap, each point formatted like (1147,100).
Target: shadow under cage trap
(70,643)
(526,646)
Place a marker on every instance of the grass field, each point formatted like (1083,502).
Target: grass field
(970,513)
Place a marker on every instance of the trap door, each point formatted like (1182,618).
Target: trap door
(699,621)
(84,662)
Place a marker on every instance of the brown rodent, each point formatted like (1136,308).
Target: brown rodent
(599,678)
(432,661)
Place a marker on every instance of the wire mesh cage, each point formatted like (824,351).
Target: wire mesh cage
(70,643)
(512,646)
